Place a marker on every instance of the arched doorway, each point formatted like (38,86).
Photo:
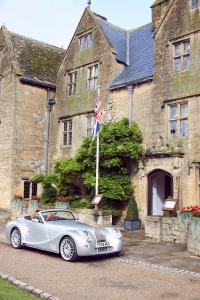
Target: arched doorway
(160,187)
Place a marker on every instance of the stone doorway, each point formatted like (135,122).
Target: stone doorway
(160,187)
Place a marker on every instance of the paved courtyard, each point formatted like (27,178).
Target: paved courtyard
(106,278)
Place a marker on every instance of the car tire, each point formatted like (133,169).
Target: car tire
(68,249)
(15,238)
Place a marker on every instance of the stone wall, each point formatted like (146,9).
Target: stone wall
(165,229)
(94,218)
(5,215)
(20,207)
(7,110)
(175,230)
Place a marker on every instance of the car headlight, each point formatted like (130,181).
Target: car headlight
(118,232)
(87,236)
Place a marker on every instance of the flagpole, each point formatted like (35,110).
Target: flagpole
(97,158)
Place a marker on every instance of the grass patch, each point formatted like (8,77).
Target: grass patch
(10,292)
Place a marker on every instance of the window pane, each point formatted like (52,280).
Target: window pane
(194,3)
(186,47)
(173,111)
(95,83)
(184,127)
(70,125)
(65,139)
(90,40)
(34,189)
(186,62)
(90,132)
(70,138)
(177,49)
(173,128)
(26,189)
(89,121)
(177,64)
(184,110)
(65,125)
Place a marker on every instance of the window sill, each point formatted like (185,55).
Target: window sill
(180,72)
(67,146)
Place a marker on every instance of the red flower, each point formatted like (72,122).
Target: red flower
(35,198)
(18,196)
(60,198)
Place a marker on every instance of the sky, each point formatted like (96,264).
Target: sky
(54,21)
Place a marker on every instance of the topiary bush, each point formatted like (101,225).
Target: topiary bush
(132,211)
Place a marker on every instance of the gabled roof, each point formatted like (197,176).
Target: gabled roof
(135,49)
(158,2)
(116,36)
(36,61)
(141,59)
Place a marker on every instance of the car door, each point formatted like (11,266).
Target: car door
(37,235)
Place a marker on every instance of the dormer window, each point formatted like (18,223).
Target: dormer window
(85,42)
(195,4)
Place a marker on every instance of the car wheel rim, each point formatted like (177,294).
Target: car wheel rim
(15,238)
(67,249)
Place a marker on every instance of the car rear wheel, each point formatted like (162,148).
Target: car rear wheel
(68,249)
(15,238)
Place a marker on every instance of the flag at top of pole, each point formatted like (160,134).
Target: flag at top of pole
(98,115)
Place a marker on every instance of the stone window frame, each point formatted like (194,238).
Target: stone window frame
(178,119)
(67,132)
(85,41)
(29,189)
(90,126)
(92,77)
(72,81)
(184,53)
(195,4)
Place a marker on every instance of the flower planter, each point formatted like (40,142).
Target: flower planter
(132,224)
(193,243)
(61,204)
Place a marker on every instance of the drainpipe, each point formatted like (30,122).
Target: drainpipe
(130,104)
(50,102)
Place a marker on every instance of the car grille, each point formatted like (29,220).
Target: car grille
(100,237)
(102,249)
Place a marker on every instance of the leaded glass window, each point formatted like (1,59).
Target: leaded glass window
(181,57)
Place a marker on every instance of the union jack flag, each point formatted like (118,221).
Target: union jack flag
(98,115)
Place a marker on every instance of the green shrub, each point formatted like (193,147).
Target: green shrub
(132,211)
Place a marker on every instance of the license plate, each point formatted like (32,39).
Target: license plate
(102,244)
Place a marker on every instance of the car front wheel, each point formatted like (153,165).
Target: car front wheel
(68,249)
(15,238)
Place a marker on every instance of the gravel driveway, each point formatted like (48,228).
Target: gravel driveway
(94,278)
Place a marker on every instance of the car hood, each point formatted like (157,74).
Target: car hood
(71,225)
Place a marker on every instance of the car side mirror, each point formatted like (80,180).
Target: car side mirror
(77,218)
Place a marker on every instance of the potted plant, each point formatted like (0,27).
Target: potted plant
(131,221)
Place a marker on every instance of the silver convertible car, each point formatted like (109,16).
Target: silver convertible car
(58,231)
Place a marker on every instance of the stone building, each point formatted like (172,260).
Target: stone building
(28,71)
(172,165)
(157,68)
(120,61)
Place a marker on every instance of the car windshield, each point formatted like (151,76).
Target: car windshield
(57,215)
